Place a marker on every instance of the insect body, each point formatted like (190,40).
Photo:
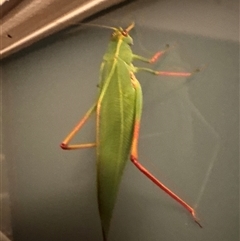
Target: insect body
(118,111)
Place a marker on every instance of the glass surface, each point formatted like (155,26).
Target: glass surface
(189,129)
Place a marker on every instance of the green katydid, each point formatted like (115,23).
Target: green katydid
(118,112)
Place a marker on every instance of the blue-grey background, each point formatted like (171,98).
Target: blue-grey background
(189,129)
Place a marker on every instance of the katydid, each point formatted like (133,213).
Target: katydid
(118,112)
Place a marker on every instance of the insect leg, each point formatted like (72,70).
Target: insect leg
(65,144)
(134,152)
(168,73)
(154,58)
(157,56)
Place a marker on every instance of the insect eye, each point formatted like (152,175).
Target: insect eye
(124,33)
